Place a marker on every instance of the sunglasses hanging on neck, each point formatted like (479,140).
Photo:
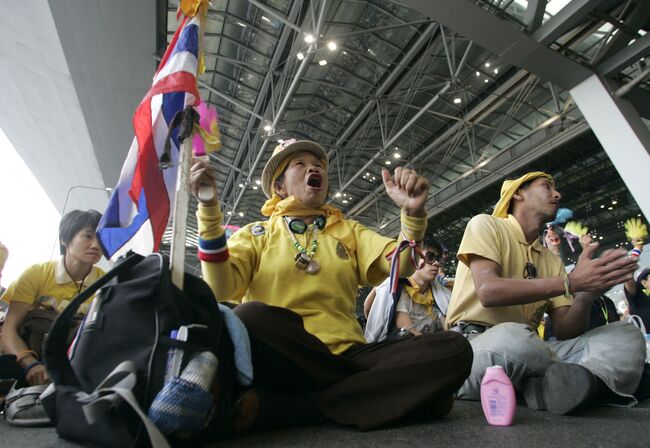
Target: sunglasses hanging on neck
(530,270)
(299,226)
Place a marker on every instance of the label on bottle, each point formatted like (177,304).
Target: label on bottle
(496,403)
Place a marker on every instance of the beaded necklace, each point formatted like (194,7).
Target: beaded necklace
(303,259)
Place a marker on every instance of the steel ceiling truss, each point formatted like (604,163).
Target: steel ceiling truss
(407,104)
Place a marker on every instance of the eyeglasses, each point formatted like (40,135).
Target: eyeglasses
(430,258)
(530,271)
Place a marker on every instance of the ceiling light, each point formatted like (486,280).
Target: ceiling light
(397,155)
(610,208)
(600,237)
(331,45)
(345,201)
(258,182)
(309,38)
(614,202)
(241,185)
(496,70)
(345,52)
(457,100)
(268,128)
(388,162)
(241,214)
(243,25)
(322,62)
(300,56)
(602,205)
(254,187)
(478,73)
(229,213)
(266,19)
(487,64)
(485,81)
(338,194)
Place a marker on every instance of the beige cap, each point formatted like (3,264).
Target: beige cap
(281,153)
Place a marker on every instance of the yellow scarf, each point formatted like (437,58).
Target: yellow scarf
(425,299)
(508,190)
(335,226)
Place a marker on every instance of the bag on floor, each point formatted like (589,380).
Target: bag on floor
(105,383)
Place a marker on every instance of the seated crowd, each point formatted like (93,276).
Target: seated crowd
(428,339)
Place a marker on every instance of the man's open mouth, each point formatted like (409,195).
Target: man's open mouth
(315,180)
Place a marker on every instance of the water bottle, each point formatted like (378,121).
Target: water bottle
(498,397)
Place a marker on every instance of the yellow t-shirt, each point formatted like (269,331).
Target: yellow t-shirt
(48,279)
(502,241)
(261,267)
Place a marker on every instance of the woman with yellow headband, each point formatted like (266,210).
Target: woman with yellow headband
(296,275)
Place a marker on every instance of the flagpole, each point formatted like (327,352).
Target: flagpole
(179,217)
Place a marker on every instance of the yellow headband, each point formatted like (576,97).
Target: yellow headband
(510,187)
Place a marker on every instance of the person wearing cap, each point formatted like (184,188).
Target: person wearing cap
(637,293)
(505,282)
(297,275)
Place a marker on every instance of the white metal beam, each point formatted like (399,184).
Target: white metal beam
(624,136)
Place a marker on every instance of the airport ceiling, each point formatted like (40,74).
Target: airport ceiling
(380,84)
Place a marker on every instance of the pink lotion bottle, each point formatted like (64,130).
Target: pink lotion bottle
(498,397)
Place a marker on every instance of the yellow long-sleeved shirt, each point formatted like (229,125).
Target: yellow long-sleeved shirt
(261,267)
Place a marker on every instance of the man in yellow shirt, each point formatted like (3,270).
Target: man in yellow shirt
(297,275)
(506,281)
(56,281)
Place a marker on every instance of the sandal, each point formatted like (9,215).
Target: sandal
(23,407)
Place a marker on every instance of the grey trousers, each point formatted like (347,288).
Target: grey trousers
(615,353)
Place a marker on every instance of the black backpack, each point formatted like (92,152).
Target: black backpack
(121,348)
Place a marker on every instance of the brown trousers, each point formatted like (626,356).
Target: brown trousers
(368,386)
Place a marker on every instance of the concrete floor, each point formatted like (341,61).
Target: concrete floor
(464,427)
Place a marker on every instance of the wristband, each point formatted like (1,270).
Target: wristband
(635,253)
(31,366)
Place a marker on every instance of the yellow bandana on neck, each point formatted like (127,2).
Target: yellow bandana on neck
(510,187)
(335,226)
(425,299)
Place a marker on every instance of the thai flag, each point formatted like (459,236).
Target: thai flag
(138,211)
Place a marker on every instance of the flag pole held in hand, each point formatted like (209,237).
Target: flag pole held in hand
(184,120)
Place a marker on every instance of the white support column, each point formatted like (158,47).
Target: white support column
(623,134)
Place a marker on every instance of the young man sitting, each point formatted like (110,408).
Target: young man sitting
(419,305)
(506,281)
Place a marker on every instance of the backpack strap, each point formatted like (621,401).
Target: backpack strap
(118,387)
(55,354)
